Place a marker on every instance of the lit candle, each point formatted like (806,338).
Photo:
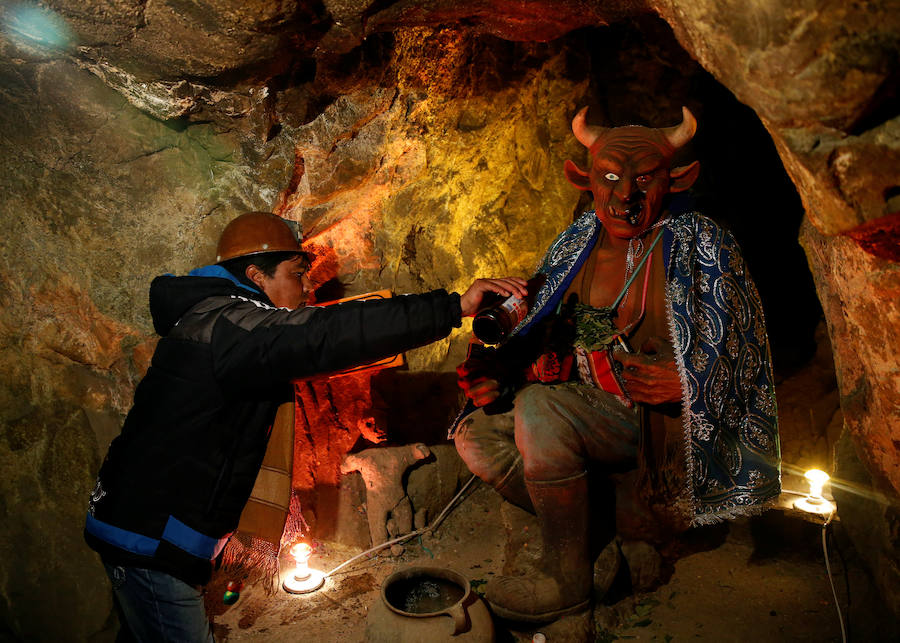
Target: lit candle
(814,502)
(302,579)
(301,552)
(817,479)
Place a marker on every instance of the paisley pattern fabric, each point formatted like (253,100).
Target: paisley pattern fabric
(560,264)
(721,350)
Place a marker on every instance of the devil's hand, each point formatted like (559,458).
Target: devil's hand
(651,376)
(479,379)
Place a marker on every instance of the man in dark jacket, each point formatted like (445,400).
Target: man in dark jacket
(173,484)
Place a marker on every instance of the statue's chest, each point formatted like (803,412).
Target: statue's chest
(602,287)
(601,279)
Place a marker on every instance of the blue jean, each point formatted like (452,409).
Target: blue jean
(158,607)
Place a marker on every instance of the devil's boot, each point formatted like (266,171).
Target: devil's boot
(562,584)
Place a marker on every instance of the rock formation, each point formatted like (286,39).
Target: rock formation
(420,143)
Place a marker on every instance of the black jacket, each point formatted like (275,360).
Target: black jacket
(174,483)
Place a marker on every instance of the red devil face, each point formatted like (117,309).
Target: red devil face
(630,174)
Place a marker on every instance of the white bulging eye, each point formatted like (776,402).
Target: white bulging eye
(609,176)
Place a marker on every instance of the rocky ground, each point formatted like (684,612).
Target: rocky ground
(754,579)
(761,579)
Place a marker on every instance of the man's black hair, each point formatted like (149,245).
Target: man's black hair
(267,262)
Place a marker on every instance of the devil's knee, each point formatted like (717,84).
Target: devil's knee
(533,403)
(486,443)
(545,435)
(467,444)
(539,416)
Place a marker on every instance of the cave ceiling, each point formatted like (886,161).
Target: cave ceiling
(174,58)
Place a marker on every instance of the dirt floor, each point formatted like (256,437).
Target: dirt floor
(752,580)
(760,579)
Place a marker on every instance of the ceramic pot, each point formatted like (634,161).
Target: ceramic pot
(428,604)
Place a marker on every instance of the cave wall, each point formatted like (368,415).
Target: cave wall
(432,171)
(420,144)
(97,198)
(823,79)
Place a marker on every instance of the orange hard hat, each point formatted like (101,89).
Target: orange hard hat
(255,233)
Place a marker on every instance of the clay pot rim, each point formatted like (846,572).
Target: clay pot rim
(418,570)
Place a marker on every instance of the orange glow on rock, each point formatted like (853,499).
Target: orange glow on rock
(880,237)
(324,263)
(349,242)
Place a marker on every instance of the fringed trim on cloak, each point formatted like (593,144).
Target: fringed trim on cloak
(579,233)
(732,512)
(248,556)
(295,526)
(688,495)
(251,557)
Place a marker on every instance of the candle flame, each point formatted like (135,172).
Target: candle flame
(817,479)
(301,552)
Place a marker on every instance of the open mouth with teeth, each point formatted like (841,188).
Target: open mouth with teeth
(631,214)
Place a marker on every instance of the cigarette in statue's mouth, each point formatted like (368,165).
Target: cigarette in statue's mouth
(632,214)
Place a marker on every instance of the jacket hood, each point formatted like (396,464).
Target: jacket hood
(171,297)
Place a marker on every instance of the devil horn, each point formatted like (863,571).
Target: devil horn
(680,134)
(585,133)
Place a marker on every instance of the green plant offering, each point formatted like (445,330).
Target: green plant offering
(478,586)
(594,327)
